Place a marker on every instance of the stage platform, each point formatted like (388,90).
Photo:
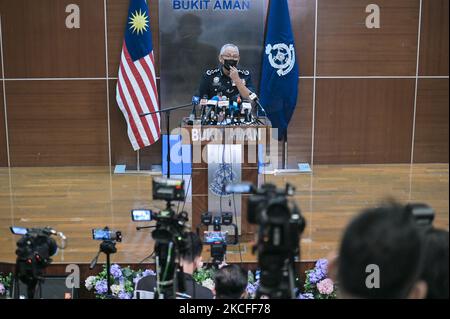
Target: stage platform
(76,199)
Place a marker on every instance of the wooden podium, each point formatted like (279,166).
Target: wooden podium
(248,137)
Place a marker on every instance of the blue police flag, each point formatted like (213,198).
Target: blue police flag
(279,80)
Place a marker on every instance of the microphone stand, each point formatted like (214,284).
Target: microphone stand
(167,112)
(258,106)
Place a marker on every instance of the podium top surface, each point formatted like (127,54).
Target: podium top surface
(265,123)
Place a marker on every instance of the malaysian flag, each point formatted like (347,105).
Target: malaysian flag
(136,86)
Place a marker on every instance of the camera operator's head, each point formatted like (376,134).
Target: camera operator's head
(435,271)
(230,282)
(191,253)
(381,255)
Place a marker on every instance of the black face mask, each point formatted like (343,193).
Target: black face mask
(229,63)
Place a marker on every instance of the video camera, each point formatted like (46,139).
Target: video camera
(280,227)
(169,235)
(34,250)
(218,239)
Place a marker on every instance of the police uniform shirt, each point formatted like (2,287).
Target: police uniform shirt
(215,82)
(146,286)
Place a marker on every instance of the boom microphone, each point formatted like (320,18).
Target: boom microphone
(193,116)
(255,99)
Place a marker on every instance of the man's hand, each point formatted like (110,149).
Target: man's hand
(234,75)
(243,91)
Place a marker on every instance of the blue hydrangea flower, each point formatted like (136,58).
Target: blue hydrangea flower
(306,296)
(124,295)
(252,288)
(322,266)
(116,272)
(314,277)
(258,275)
(101,287)
(319,272)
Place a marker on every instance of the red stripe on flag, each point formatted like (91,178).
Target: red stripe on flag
(136,103)
(150,74)
(152,58)
(155,92)
(134,128)
(143,88)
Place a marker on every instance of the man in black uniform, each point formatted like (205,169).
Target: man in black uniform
(190,260)
(227,80)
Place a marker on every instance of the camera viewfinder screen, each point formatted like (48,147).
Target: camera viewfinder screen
(19,230)
(101,234)
(141,215)
(215,236)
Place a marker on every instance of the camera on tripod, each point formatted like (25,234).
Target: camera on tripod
(34,251)
(106,234)
(169,235)
(218,239)
(280,227)
(109,239)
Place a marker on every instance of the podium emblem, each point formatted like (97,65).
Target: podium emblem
(222,177)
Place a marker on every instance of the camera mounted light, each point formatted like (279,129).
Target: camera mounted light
(227,218)
(206,218)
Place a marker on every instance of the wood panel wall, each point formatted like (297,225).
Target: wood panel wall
(365,95)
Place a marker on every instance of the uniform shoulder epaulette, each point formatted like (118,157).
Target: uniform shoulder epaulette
(244,72)
(212,71)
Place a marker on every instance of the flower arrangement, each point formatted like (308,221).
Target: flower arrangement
(205,277)
(317,284)
(253,284)
(5,283)
(123,281)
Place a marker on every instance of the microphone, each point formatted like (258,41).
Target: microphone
(211,104)
(203,104)
(253,96)
(234,108)
(255,99)
(193,116)
(247,110)
(223,105)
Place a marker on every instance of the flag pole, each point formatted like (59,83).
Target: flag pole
(285,152)
(167,112)
(138,161)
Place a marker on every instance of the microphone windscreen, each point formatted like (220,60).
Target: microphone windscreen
(253,96)
(195,100)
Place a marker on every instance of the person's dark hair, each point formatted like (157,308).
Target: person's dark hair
(435,271)
(192,247)
(387,237)
(230,282)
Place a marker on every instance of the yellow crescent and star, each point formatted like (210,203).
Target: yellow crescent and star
(139,22)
